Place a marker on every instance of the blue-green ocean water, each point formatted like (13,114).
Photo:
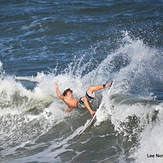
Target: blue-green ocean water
(78,44)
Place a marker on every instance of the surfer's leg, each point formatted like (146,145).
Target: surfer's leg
(91,89)
(86,103)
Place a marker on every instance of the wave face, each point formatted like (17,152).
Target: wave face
(78,44)
(34,126)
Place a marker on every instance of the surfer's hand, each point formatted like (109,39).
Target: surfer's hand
(56,85)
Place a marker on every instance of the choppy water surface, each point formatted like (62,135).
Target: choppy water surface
(78,44)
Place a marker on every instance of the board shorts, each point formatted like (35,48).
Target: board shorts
(89,96)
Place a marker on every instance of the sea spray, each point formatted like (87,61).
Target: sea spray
(132,108)
(40,122)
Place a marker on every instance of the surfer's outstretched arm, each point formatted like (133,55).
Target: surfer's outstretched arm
(68,110)
(58,92)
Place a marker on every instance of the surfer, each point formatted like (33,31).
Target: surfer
(84,101)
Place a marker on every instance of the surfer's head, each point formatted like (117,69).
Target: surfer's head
(67,92)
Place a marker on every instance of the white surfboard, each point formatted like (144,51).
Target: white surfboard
(89,122)
(26,79)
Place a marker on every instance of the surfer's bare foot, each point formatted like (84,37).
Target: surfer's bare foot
(109,84)
(92,112)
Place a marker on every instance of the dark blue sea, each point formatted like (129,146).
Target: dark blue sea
(78,44)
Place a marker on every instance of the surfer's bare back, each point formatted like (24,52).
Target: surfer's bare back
(84,101)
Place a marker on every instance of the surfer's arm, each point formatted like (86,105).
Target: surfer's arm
(68,110)
(58,92)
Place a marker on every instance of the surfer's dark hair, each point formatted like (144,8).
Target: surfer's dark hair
(65,91)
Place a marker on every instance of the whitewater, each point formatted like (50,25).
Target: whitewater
(35,128)
(78,44)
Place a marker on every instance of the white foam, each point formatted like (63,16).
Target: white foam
(150,144)
(132,66)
